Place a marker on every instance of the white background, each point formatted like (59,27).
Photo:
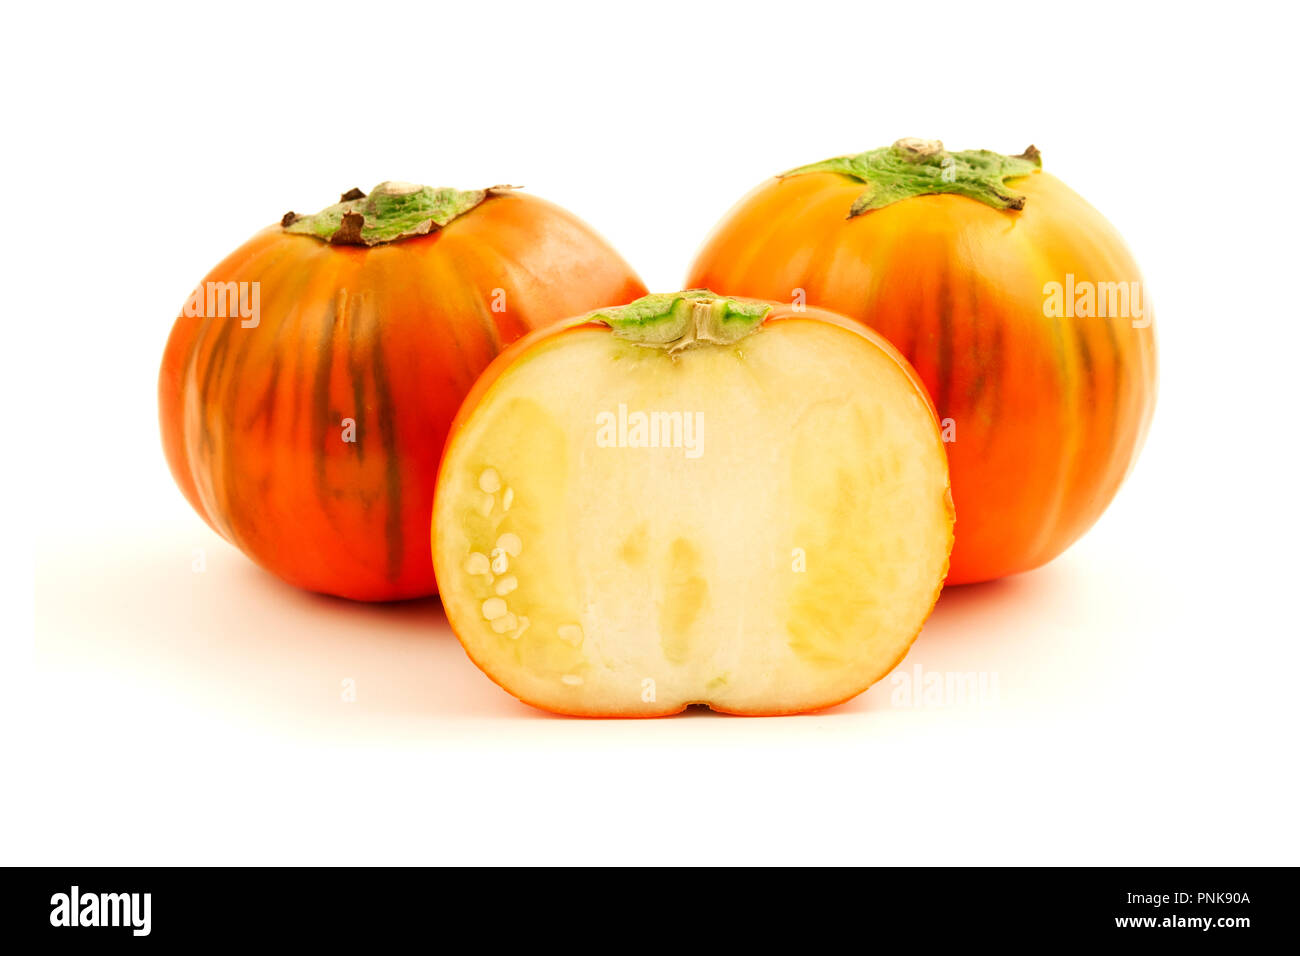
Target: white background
(1146,679)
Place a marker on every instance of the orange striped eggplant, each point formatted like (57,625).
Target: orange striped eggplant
(309,383)
(692,499)
(1018,304)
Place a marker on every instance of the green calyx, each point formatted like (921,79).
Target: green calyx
(391,212)
(918,167)
(681,320)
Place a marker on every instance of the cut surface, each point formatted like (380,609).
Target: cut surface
(761,527)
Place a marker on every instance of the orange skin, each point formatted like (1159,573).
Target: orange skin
(1049,413)
(391,336)
(781,312)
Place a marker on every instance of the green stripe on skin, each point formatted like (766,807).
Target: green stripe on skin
(681,320)
(917,167)
(393,211)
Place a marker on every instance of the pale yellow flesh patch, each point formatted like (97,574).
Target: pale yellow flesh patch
(778,556)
